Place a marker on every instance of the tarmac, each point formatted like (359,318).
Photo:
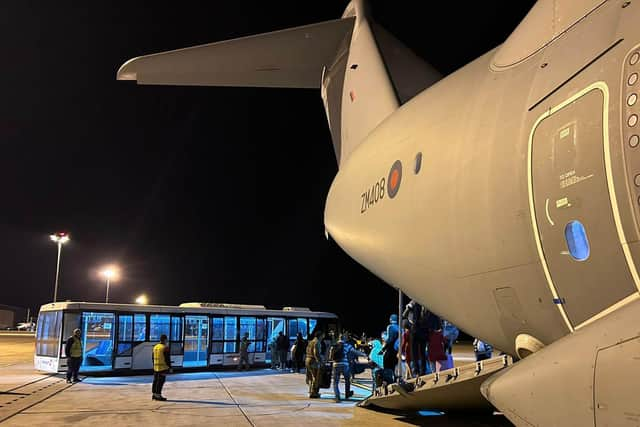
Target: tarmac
(261,397)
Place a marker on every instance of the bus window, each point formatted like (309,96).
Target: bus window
(302,327)
(158,325)
(260,335)
(230,334)
(140,327)
(293,331)
(175,337)
(248,324)
(217,335)
(97,335)
(312,326)
(48,333)
(70,321)
(125,335)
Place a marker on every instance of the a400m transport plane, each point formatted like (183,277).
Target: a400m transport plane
(505,196)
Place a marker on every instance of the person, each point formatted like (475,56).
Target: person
(299,352)
(450,333)
(73,350)
(244,352)
(340,354)
(437,355)
(390,348)
(313,362)
(161,355)
(419,337)
(375,356)
(282,347)
(482,350)
(406,348)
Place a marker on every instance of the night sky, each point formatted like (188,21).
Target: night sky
(198,194)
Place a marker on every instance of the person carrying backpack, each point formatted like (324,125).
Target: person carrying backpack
(339,354)
(482,350)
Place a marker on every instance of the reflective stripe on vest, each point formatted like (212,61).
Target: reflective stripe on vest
(159,364)
(76,348)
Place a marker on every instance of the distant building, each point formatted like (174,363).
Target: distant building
(10,316)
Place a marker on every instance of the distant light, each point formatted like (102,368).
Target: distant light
(142,299)
(111,273)
(60,237)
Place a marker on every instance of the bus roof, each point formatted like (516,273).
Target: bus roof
(231,309)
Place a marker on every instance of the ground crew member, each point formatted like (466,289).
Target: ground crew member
(340,354)
(244,352)
(73,350)
(313,363)
(161,367)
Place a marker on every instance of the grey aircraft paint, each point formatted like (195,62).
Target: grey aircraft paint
(521,225)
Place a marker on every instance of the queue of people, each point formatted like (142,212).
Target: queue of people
(426,347)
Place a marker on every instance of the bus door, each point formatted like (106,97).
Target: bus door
(275,325)
(98,333)
(196,341)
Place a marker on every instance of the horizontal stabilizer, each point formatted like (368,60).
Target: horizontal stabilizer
(291,58)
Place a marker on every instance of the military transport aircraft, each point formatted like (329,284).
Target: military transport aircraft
(506,196)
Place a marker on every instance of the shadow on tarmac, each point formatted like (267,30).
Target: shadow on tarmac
(147,378)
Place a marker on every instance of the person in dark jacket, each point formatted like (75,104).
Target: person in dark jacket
(299,353)
(282,348)
(73,350)
(390,348)
(161,355)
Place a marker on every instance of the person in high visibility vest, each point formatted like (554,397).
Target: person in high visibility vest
(73,350)
(161,367)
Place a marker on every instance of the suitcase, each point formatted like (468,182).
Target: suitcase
(325,375)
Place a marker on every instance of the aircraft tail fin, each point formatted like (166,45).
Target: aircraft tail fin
(343,58)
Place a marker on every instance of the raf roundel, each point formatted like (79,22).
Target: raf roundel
(394,179)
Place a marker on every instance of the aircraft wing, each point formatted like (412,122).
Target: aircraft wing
(292,58)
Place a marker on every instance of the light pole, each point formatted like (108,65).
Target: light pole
(59,238)
(109,273)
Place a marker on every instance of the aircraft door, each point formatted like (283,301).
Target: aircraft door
(577,232)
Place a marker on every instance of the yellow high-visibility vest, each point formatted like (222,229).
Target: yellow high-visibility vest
(76,348)
(159,363)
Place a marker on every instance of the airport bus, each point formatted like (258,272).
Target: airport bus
(120,337)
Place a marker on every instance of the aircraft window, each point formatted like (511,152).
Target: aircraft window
(634,141)
(418,164)
(159,325)
(577,242)
(636,180)
(634,58)
(633,78)
(631,100)
(633,120)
